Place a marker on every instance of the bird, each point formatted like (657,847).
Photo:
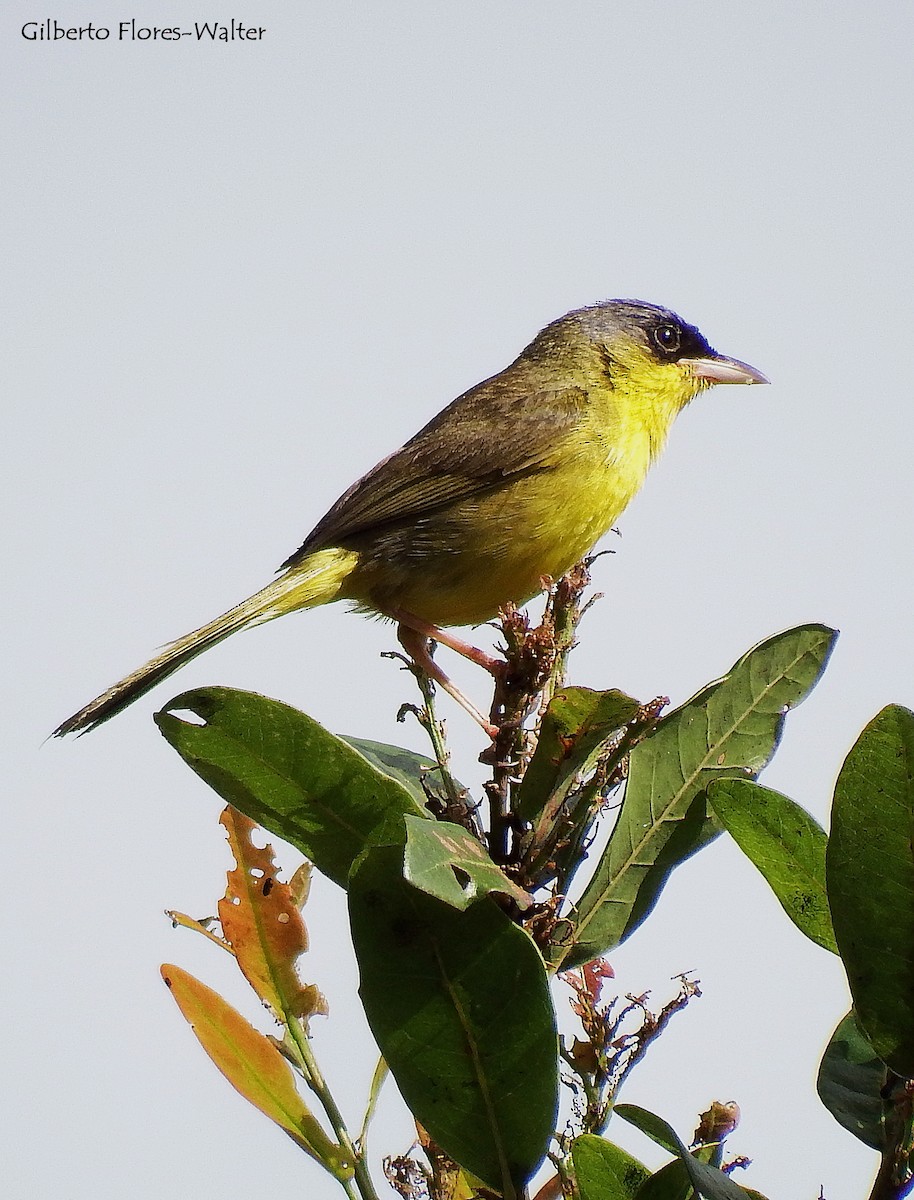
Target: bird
(511,483)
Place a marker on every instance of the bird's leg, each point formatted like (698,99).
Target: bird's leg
(494,666)
(415,643)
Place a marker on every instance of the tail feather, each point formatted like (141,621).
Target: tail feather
(315,581)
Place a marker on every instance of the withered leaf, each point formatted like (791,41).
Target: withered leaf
(262,921)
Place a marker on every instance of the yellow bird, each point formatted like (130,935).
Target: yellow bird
(514,480)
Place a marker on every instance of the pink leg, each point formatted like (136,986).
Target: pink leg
(493,665)
(415,643)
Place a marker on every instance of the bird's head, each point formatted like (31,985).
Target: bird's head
(645,352)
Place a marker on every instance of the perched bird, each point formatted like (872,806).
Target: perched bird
(514,480)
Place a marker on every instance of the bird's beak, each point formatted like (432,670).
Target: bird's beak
(722,370)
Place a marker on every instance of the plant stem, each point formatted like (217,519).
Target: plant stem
(885,1186)
(505,752)
(381,1072)
(895,1178)
(433,728)
(315,1080)
(564,611)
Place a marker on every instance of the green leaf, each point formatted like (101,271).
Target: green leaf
(651,1125)
(558,796)
(786,844)
(577,725)
(732,726)
(378,1080)
(705,1179)
(672,1183)
(446,861)
(459,1004)
(405,766)
(604,1171)
(289,774)
(688,837)
(870,876)
(669,1183)
(851,1078)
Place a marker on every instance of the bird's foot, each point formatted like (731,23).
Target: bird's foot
(495,666)
(415,642)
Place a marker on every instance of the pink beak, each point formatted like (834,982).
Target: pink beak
(723,370)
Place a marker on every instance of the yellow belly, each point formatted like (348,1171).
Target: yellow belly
(460,565)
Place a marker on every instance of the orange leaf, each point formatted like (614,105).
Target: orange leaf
(253,1066)
(262,922)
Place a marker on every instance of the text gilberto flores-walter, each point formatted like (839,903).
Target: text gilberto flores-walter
(51,30)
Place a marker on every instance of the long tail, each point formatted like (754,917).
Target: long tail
(315,581)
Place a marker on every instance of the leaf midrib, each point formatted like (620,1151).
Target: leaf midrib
(605,897)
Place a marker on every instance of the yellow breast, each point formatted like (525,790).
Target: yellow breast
(459,565)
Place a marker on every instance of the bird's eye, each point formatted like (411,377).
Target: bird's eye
(666,338)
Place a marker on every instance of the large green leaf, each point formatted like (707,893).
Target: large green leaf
(459,1004)
(688,836)
(282,769)
(851,1078)
(604,1171)
(786,844)
(870,876)
(731,727)
(707,1181)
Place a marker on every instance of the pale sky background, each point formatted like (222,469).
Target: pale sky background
(237,275)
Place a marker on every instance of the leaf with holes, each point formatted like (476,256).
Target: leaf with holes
(286,772)
(446,861)
(459,1004)
(264,926)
